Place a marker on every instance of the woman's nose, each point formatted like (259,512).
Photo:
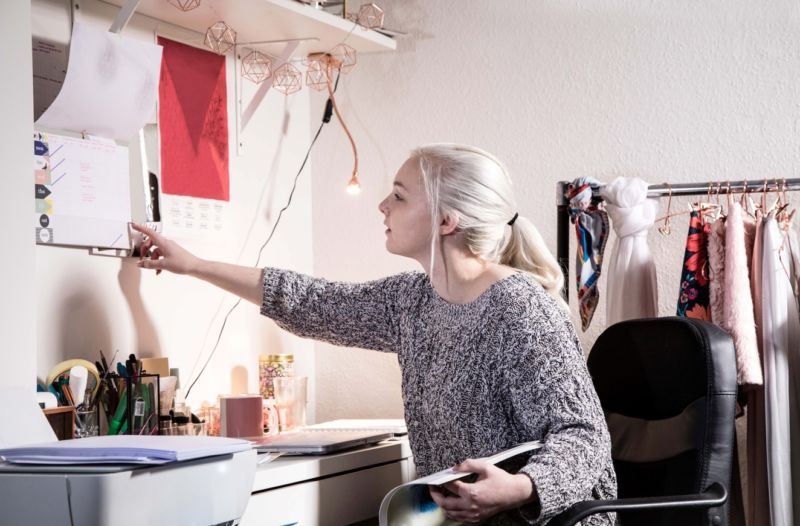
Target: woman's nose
(382,207)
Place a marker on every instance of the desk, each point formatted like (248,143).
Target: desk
(331,490)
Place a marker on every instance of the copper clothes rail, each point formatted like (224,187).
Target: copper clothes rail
(658,190)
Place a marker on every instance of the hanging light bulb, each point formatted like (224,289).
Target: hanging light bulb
(354,187)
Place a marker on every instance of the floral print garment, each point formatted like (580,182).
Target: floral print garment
(693,295)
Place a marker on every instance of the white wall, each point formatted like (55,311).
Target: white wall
(18,350)
(88,303)
(672,91)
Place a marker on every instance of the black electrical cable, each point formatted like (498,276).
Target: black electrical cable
(326,118)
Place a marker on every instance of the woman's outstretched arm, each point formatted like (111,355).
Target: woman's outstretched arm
(365,315)
(160,253)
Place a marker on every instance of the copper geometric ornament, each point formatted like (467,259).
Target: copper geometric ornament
(220,38)
(184,5)
(346,56)
(316,75)
(287,79)
(256,67)
(370,16)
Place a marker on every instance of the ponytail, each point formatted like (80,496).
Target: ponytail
(475,186)
(526,250)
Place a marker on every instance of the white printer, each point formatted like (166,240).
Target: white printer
(202,490)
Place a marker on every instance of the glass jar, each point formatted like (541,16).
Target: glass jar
(273,366)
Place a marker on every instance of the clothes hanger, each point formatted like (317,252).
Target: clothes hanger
(707,209)
(778,201)
(784,215)
(763,204)
(665,229)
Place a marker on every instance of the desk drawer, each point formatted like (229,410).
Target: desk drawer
(333,501)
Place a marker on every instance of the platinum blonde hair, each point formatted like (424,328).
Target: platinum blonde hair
(474,187)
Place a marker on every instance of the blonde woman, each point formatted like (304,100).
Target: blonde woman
(488,353)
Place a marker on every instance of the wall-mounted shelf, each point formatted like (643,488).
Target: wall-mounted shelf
(259,20)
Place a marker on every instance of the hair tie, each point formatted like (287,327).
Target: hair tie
(516,215)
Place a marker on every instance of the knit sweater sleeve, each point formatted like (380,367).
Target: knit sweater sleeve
(552,396)
(365,315)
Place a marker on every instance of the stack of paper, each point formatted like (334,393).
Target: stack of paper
(121,449)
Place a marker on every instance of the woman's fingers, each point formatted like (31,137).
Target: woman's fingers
(448,501)
(154,264)
(156,255)
(149,232)
(144,248)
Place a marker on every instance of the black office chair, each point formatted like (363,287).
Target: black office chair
(668,389)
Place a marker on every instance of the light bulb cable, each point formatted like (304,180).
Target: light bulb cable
(326,118)
(332,100)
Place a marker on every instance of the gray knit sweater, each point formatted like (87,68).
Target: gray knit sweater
(477,378)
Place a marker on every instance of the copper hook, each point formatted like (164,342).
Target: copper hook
(742,200)
(665,230)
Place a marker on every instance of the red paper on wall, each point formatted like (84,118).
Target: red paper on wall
(193,122)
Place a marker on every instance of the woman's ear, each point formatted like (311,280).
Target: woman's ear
(449,224)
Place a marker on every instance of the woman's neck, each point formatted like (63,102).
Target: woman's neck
(460,277)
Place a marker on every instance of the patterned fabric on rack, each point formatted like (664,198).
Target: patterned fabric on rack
(694,295)
(591,228)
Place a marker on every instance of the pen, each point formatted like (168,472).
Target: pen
(115,426)
(103,360)
(68,394)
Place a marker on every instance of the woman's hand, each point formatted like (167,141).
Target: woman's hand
(494,491)
(159,253)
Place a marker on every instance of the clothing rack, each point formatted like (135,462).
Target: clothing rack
(658,190)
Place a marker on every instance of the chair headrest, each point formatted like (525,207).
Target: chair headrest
(655,368)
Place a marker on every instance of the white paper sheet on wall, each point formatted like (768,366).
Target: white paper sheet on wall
(192,217)
(110,87)
(82,191)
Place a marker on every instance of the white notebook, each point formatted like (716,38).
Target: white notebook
(396,426)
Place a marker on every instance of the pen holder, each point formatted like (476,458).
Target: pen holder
(86,424)
(136,409)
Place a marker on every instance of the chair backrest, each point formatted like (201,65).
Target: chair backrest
(668,389)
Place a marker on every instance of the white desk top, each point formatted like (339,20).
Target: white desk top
(292,470)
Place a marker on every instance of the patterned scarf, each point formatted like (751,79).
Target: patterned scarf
(591,227)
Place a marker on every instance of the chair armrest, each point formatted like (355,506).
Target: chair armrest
(714,496)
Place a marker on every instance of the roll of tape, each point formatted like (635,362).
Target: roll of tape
(62,369)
